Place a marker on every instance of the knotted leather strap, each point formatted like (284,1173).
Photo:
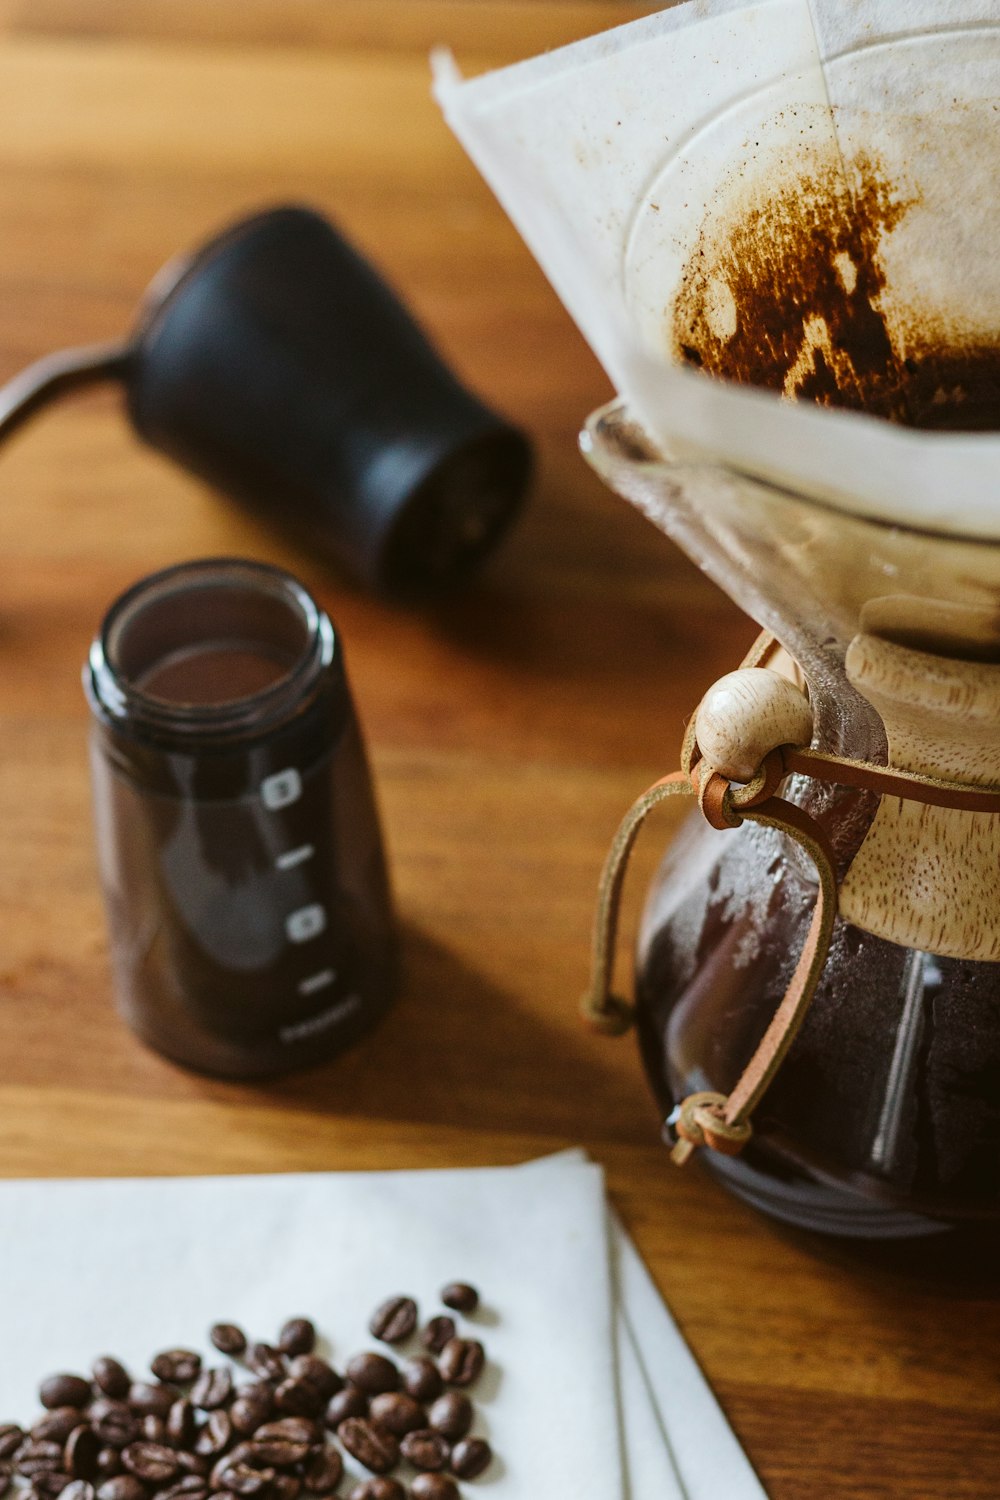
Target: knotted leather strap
(711,1119)
(889,782)
(724,1123)
(609,1013)
(716,1120)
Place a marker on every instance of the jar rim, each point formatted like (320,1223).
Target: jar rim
(114,686)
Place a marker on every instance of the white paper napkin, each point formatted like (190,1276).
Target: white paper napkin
(677,1442)
(589,1390)
(129,1267)
(707,1462)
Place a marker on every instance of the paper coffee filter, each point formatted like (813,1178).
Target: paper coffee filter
(676,175)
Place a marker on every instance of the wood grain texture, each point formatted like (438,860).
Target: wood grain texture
(929,877)
(509,728)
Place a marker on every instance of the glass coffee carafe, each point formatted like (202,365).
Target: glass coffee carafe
(883,1121)
(802,199)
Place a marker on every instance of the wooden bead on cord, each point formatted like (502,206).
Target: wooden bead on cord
(745,715)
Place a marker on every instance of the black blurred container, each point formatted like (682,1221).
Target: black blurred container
(279,366)
(238,841)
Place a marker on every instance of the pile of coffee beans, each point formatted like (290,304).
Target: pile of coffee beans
(274,1425)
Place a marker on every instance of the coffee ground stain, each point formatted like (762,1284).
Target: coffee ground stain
(787,294)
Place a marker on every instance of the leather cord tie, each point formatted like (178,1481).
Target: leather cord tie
(719,1121)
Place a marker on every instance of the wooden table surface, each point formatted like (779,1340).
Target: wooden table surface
(508,729)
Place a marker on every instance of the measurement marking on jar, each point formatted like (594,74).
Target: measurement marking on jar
(300,1029)
(308,922)
(281,789)
(317,982)
(293,857)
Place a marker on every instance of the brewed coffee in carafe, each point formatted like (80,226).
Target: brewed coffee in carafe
(883,1119)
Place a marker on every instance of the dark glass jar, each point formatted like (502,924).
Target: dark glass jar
(238,841)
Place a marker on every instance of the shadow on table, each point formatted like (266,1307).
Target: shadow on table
(456,1049)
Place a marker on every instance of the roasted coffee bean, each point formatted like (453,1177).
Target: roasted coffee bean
(258,1390)
(114,1422)
(153,1429)
(11,1438)
(151,1462)
(80,1453)
(425,1448)
(150,1400)
(378,1489)
(318,1373)
(79,1489)
(394,1320)
(178,1365)
(370,1444)
(274,1453)
(191,1487)
(6,1476)
(266,1361)
(461,1296)
(216,1435)
(217,1473)
(434,1487)
(451,1414)
(212,1389)
(252,1406)
(38,1458)
(239,1454)
(322,1473)
(122,1487)
(244,1418)
(350,1402)
(244,1480)
(57,1424)
(462,1361)
(286,1487)
(438,1332)
(50,1483)
(110,1376)
(109,1461)
(421,1378)
(228,1338)
(191,1463)
(64,1390)
(292,1430)
(372,1373)
(189,1484)
(470,1457)
(297,1398)
(298,1336)
(399,1413)
(181,1427)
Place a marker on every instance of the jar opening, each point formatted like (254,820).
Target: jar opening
(213,644)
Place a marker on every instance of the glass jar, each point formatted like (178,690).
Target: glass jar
(884,1119)
(237,836)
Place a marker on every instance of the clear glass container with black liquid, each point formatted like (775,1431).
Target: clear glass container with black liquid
(238,840)
(883,1121)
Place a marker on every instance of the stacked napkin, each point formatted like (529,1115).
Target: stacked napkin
(589,1389)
